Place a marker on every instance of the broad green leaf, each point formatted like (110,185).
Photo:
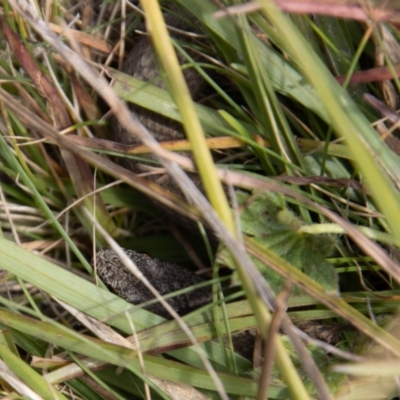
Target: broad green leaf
(267,219)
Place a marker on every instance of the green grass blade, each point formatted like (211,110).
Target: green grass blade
(28,375)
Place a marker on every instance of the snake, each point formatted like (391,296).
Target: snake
(166,277)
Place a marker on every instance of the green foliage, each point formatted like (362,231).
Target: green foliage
(266,218)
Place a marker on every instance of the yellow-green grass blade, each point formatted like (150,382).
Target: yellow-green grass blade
(194,132)
(7,340)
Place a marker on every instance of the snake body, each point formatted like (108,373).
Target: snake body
(166,277)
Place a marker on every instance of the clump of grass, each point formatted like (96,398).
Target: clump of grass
(317,214)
